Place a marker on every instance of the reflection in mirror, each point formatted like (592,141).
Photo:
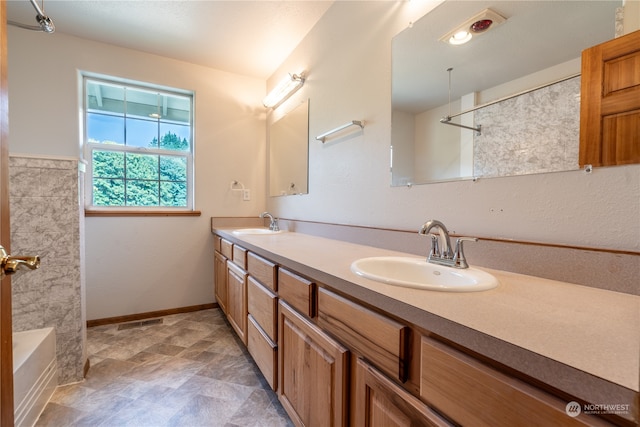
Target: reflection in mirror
(529,131)
(289,153)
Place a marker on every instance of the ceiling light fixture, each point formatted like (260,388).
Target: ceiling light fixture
(476,25)
(284,90)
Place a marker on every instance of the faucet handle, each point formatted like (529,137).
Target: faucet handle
(459,260)
(434,252)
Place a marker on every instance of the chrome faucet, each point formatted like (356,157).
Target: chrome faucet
(273,222)
(440,252)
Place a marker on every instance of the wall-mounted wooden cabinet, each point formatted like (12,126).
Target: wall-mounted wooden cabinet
(610,103)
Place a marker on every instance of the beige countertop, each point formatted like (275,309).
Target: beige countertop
(583,340)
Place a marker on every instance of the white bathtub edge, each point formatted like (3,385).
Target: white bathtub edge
(29,410)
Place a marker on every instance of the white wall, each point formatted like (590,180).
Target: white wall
(348,58)
(143,264)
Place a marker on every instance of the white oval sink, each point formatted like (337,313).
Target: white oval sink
(418,273)
(241,231)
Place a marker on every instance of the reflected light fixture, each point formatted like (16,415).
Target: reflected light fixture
(474,26)
(284,89)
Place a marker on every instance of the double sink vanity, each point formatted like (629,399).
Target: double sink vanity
(349,334)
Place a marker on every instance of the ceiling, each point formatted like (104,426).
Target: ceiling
(244,37)
(536,35)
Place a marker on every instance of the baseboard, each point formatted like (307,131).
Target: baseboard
(149,314)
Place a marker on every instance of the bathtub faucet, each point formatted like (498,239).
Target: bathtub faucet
(440,252)
(273,222)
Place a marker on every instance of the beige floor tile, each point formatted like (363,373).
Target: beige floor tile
(190,370)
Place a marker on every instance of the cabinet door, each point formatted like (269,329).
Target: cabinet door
(220,280)
(610,104)
(380,402)
(237,300)
(313,371)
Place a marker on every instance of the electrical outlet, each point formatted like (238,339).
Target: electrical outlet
(246,195)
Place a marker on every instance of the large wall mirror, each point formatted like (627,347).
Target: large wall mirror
(289,153)
(529,64)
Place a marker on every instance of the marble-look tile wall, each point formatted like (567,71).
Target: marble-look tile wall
(532,133)
(46,220)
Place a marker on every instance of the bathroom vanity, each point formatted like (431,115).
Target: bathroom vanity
(340,349)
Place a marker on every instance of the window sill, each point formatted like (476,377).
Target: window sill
(93,212)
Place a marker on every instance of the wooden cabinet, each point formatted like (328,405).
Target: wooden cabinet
(610,103)
(220,280)
(382,403)
(262,329)
(263,271)
(471,393)
(297,291)
(262,304)
(381,339)
(226,248)
(305,338)
(313,372)
(237,300)
(240,256)
(263,350)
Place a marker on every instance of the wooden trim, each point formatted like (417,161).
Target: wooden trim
(149,314)
(92,212)
(489,239)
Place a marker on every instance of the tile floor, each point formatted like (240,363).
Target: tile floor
(190,370)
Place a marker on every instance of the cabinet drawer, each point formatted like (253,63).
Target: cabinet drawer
(263,351)
(216,243)
(297,291)
(471,393)
(265,271)
(263,306)
(226,248)
(379,339)
(240,256)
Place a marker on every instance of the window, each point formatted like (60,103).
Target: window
(138,145)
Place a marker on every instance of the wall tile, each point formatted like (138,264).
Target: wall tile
(532,133)
(46,220)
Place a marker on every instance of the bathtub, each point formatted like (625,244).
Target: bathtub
(35,373)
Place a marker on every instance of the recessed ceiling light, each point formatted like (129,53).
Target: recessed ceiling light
(476,25)
(460,37)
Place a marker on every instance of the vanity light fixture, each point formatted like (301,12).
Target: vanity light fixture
(284,90)
(476,25)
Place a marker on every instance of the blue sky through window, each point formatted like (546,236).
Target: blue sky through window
(140,133)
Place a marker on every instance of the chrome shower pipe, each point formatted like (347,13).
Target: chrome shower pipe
(45,23)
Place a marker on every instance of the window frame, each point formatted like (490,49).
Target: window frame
(89,147)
